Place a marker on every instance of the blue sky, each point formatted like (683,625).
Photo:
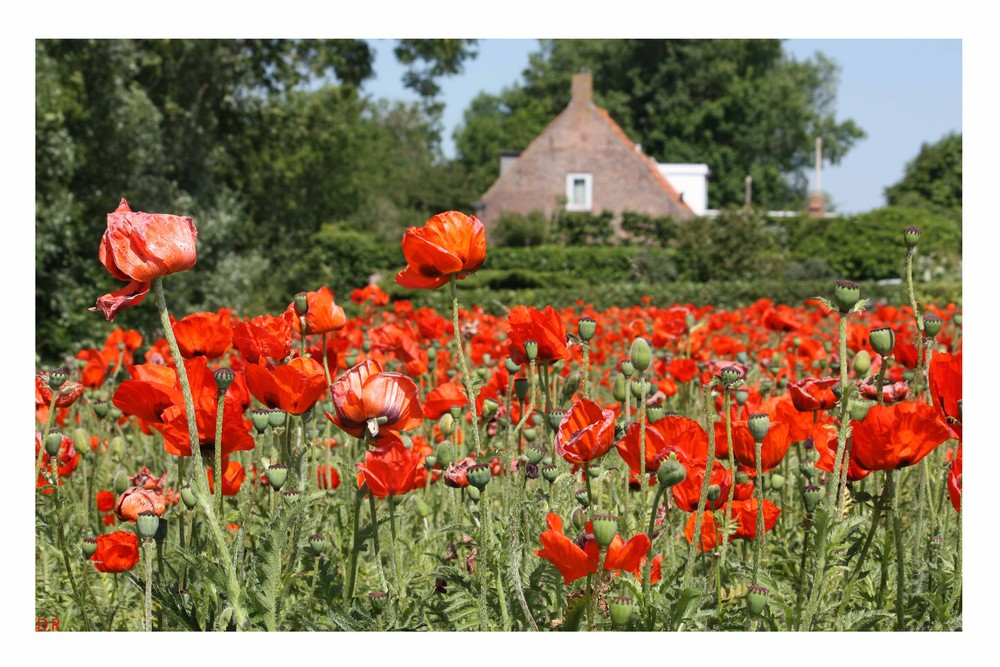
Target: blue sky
(902,92)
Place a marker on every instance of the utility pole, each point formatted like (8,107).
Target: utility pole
(817,201)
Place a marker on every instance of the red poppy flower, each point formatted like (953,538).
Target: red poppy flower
(574,562)
(659,445)
(544,327)
(442,398)
(67,459)
(372,293)
(955,481)
(585,433)
(448,244)
(116,552)
(945,383)
(68,392)
(366,398)
(892,392)
(897,436)
(204,334)
(711,535)
(683,369)
(745,513)
(772,451)
(135,501)
(811,394)
(293,387)
(688,491)
(455,476)
(147,480)
(323,315)
(781,318)
(824,439)
(141,247)
(391,470)
(264,336)
(232,478)
(105,501)
(327,477)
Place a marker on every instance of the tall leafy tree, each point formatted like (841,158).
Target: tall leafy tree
(933,178)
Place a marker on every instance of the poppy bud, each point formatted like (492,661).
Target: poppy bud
(146,525)
(366,345)
(101,409)
(57,378)
(260,419)
(479,475)
(549,473)
(586,327)
(957,319)
(490,407)
(317,544)
(276,417)
(655,413)
(276,475)
(511,366)
(618,388)
(88,547)
(759,424)
(53,441)
(729,375)
(628,368)
(377,600)
(714,491)
(531,350)
(302,303)
(351,359)
(757,599)
(742,395)
(187,495)
(742,477)
(114,413)
(621,609)
(845,294)
(161,530)
(446,425)
(521,389)
(641,354)
(474,493)
(583,498)
(445,454)
(605,529)
(117,448)
(535,453)
(741,357)
(482,373)
(811,495)
(932,324)
(224,378)
(120,483)
(291,495)
(423,509)
(807,469)
(862,363)
(765,385)
(911,236)
(671,472)
(777,481)
(859,409)
(555,418)
(638,388)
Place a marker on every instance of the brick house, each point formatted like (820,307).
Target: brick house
(583,161)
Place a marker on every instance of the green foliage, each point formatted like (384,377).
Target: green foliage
(519,231)
(584,228)
(735,245)
(933,178)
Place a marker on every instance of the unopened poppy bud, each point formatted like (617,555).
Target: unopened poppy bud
(641,354)
(765,385)
(351,359)
(188,497)
(377,600)
(729,375)
(583,498)
(714,491)
(862,363)
(628,368)
(759,424)
(807,469)
(535,453)
(445,454)
(120,483)
(521,388)
(671,472)
(531,350)
(638,388)
(276,417)
(224,378)
(57,378)
(911,236)
(845,294)
(621,609)
(655,413)
(530,434)
(88,547)
(114,413)
(549,473)
(618,388)
(366,345)
(859,409)
(479,475)
(742,477)
(302,303)
(423,509)
(757,599)
(742,396)
(482,373)
(101,409)
(777,481)
(446,424)
(117,448)
(586,327)
(474,493)
(511,366)
(932,325)
(146,525)
(605,529)
(276,476)
(53,441)
(490,407)
(957,319)
(811,495)
(316,544)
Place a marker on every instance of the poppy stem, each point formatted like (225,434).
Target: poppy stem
(355,545)
(45,434)
(897,527)
(918,376)
(759,536)
(643,474)
(148,601)
(727,530)
(706,482)
(880,380)
(378,551)
(466,377)
(326,361)
(801,588)
(218,454)
(392,546)
(586,369)
(887,490)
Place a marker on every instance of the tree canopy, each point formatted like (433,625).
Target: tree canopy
(932,178)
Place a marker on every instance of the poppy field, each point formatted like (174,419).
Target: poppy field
(362,464)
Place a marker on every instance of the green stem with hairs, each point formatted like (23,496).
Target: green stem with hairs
(218,453)
(45,434)
(148,602)
(887,490)
(726,403)
(759,536)
(703,498)
(466,377)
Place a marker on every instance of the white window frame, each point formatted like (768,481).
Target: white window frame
(588,191)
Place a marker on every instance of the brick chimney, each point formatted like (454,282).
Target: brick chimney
(582,89)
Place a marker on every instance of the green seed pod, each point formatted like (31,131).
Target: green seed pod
(482,373)
(742,396)
(479,475)
(777,481)
(473,493)
(957,319)
(530,434)
(301,303)
(146,525)
(521,389)
(859,409)
(377,599)
(671,472)
(276,417)
(117,448)
(351,359)
(487,358)
(605,529)
(366,345)
(114,413)
(807,469)
(316,544)
(423,509)
(223,379)
(654,413)
(811,495)
(759,424)
(276,476)
(535,453)
(490,407)
(187,495)
(445,454)
(911,236)
(88,547)
(618,388)
(583,498)
(456,412)
(121,482)
(555,418)
(260,419)
(101,409)
(53,441)
(586,327)
(531,350)
(845,294)
(714,491)
(757,600)
(430,461)
(641,354)
(742,477)
(628,368)
(730,375)
(862,363)
(550,473)
(932,325)
(621,609)
(291,495)
(57,378)
(511,366)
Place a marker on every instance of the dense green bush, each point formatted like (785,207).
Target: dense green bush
(519,231)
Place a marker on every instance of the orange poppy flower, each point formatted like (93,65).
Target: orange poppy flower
(116,552)
(824,440)
(204,334)
(327,477)
(811,394)
(136,500)
(366,398)
(945,383)
(772,450)
(232,478)
(683,369)
(585,433)
(781,409)
(323,315)
(67,459)
(574,562)
(372,293)
(264,336)
(105,501)
(955,481)
(442,398)
(68,392)
(141,247)
(544,327)
(688,491)
(745,513)
(897,436)
(711,535)
(391,469)
(659,445)
(448,244)
(294,387)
